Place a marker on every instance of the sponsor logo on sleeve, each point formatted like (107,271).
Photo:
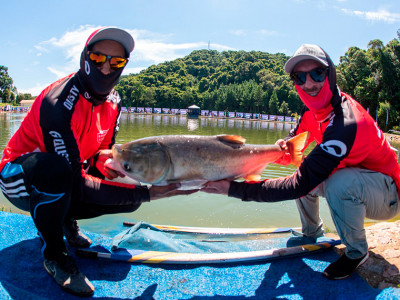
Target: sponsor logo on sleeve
(334,147)
(59,144)
(73,94)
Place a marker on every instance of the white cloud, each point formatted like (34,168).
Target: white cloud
(157,48)
(70,44)
(40,49)
(238,32)
(267,32)
(150,48)
(128,70)
(157,52)
(34,91)
(380,15)
(58,73)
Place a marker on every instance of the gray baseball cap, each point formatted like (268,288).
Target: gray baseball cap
(305,52)
(115,34)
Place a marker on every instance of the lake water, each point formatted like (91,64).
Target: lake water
(199,209)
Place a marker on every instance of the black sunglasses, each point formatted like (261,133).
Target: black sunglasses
(317,74)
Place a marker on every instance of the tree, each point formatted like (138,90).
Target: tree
(6,85)
(376,44)
(131,91)
(385,113)
(284,109)
(24,97)
(255,81)
(273,104)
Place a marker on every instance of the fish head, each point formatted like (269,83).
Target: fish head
(144,161)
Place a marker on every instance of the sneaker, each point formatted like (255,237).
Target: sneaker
(344,267)
(74,236)
(66,274)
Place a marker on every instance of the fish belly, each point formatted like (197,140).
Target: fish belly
(212,160)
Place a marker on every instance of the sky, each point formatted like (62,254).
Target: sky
(41,41)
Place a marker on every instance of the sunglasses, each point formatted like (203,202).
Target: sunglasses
(317,74)
(116,62)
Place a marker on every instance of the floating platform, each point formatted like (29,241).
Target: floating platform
(22,275)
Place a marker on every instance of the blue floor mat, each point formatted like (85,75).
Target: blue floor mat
(22,275)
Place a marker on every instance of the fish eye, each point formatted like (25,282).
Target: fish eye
(127,167)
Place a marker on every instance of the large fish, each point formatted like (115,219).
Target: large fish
(192,160)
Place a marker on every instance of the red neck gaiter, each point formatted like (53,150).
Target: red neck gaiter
(320,105)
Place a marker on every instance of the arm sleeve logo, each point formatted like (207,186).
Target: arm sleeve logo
(334,147)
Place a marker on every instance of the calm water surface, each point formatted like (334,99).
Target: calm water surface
(199,209)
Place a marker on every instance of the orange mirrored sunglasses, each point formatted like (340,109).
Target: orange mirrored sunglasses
(116,62)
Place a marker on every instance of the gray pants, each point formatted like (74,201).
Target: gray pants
(352,195)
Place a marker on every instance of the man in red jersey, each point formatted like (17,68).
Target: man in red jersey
(353,165)
(54,164)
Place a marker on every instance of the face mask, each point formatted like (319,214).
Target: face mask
(97,84)
(320,105)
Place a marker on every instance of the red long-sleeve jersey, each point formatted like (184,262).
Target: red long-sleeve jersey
(349,138)
(62,121)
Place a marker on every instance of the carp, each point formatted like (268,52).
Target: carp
(192,160)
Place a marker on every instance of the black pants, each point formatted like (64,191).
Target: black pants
(41,183)
(31,186)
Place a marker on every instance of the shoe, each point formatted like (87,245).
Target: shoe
(65,272)
(344,267)
(74,236)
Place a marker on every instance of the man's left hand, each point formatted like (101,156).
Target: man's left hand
(104,155)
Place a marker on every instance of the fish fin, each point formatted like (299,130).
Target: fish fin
(231,139)
(252,177)
(194,184)
(296,145)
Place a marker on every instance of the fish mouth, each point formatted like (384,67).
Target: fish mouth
(114,162)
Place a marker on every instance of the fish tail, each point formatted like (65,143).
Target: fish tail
(296,145)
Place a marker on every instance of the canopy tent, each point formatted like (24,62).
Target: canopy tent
(193,111)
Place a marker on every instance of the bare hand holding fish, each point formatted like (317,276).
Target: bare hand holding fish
(102,166)
(220,187)
(158,192)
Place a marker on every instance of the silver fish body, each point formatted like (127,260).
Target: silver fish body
(195,159)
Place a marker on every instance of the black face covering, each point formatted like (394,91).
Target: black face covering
(96,85)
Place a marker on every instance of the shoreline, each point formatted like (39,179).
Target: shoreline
(209,117)
(392,138)
(185,116)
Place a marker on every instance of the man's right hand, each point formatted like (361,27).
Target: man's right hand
(217,187)
(286,158)
(158,192)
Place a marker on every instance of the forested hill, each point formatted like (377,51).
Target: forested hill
(255,82)
(235,80)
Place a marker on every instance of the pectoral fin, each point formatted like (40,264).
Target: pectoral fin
(255,175)
(252,177)
(192,184)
